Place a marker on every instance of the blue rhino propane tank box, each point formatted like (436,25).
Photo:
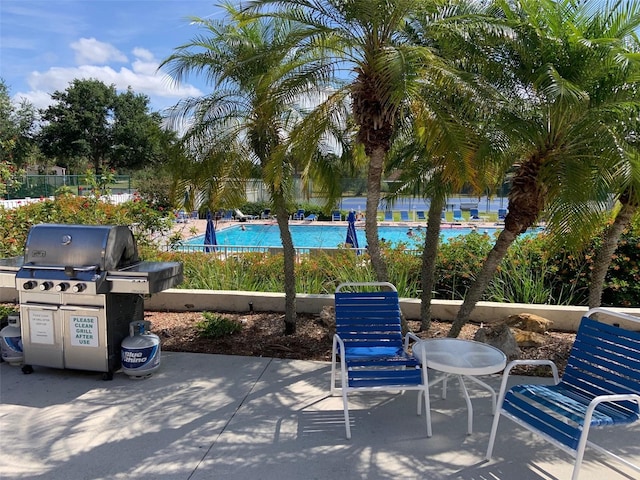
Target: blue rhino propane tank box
(140,351)
(11,341)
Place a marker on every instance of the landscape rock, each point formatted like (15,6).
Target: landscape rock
(501,337)
(328,316)
(529,322)
(528,339)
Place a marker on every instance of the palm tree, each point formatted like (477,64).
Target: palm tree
(629,204)
(206,176)
(258,76)
(564,97)
(449,144)
(380,71)
(443,154)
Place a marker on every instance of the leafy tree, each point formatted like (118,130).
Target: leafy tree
(627,193)
(17,126)
(563,72)
(93,121)
(137,134)
(78,124)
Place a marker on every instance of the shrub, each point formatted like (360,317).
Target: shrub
(5,311)
(530,273)
(145,222)
(215,326)
(459,260)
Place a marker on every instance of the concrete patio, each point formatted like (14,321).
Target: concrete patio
(213,417)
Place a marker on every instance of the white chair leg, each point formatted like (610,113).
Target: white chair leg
(427,406)
(333,376)
(492,436)
(582,443)
(345,403)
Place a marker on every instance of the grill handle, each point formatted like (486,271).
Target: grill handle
(79,307)
(41,306)
(59,268)
(127,279)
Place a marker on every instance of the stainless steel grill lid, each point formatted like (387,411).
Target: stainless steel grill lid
(107,247)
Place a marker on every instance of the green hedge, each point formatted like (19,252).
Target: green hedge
(527,275)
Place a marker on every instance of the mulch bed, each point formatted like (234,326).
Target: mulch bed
(262,335)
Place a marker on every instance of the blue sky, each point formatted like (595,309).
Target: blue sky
(45,44)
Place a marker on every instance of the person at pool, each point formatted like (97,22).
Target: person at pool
(243,228)
(410,232)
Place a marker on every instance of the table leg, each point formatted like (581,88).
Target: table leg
(489,389)
(463,387)
(442,378)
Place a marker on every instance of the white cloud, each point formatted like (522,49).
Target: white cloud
(142,76)
(143,54)
(92,51)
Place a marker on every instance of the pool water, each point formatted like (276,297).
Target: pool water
(322,236)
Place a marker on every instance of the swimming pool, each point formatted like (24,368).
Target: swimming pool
(321,236)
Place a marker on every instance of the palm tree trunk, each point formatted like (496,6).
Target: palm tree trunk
(282,217)
(429,255)
(495,256)
(527,198)
(603,257)
(374,180)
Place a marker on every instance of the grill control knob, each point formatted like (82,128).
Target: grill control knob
(61,287)
(78,287)
(30,285)
(46,285)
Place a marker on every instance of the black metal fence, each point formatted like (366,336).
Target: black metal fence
(36,186)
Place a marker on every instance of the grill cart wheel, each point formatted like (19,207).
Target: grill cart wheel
(27,369)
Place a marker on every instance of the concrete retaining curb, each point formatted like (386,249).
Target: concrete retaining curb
(182,300)
(563,318)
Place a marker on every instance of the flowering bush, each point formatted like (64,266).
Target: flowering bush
(145,222)
(9,175)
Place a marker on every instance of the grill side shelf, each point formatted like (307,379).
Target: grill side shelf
(146,277)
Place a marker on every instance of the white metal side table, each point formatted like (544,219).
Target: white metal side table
(463,359)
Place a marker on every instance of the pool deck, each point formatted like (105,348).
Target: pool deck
(202,417)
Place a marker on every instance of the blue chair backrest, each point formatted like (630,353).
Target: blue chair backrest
(502,213)
(369,323)
(604,360)
(457,214)
(388,215)
(473,213)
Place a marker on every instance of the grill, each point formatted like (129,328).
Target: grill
(79,287)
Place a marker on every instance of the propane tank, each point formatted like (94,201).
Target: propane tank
(140,351)
(11,341)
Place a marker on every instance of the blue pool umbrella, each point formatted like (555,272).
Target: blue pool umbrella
(210,235)
(352,237)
